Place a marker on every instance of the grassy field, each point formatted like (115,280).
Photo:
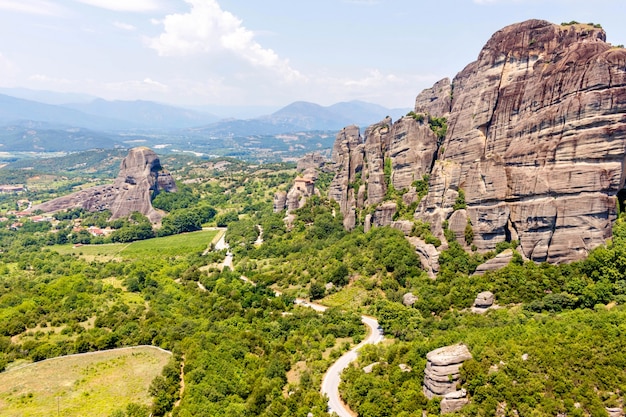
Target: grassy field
(350,298)
(163,246)
(90,384)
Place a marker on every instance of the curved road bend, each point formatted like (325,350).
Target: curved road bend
(332,378)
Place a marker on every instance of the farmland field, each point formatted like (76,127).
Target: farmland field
(89,384)
(175,245)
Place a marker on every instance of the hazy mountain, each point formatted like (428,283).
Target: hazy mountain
(31,136)
(311,116)
(16,109)
(47,97)
(306,116)
(145,114)
(34,126)
(235,112)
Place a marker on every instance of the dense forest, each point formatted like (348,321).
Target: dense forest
(556,344)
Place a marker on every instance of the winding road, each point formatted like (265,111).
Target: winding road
(332,377)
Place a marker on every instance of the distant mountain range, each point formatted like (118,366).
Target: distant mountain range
(29,125)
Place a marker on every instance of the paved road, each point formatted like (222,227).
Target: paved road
(332,378)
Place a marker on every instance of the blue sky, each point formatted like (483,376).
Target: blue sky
(262,53)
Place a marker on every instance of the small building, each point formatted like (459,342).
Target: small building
(305,184)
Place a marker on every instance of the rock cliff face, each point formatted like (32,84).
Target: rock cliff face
(389,155)
(139,179)
(536,140)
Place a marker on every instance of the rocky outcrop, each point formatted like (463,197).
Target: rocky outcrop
(614,411)
(296,197)
(347,161)
(484,299)
(428,254)
(436,100)
(499,261)
(140,178)
(443,369)
(535,141)
(389,155)
(453,401)
(412,150)
(409,299)
(280,201)
(311,161)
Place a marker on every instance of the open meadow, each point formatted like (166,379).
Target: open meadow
(89,384)
(175,245)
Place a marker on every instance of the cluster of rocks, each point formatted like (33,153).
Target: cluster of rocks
(442,374)
(140,178)
(535,140)
(304,185)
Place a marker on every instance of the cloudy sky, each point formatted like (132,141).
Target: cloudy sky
(261,53)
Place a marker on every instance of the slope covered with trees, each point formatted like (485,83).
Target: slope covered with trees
(556,346)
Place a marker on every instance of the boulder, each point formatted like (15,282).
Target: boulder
(443,369)
(499,261)
(405,226)
(453,401)
(383,216)
(405,368)
(484,299)
(369,368)
(409,299)
(614,411)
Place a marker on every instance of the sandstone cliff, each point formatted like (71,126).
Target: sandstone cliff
(536,142)
(139,179)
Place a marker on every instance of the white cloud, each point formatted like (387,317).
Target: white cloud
(44,79)
(207,29)
(157,85)
(135,86)
(375,86)
(8,69)
(40,7)
(124,5)
(124,26)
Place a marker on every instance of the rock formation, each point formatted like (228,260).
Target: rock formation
(139,180)
(484,299)
(310,161)
(409,299)
(535,141)
(501,260)
(442,375)
(304,185)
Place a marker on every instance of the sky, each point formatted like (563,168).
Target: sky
(266,53)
